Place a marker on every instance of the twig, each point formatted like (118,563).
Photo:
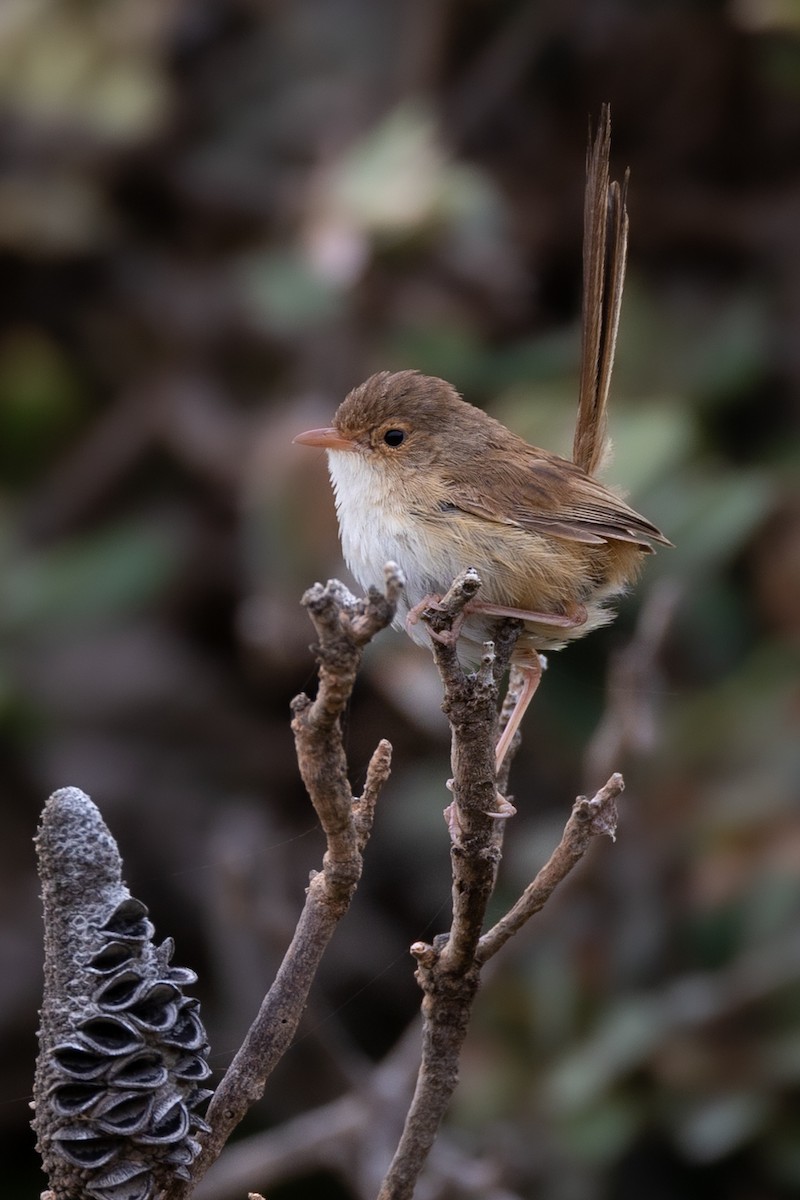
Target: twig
(348,1138)
(448,971)
(343,1136)
(589,819)
(344,626)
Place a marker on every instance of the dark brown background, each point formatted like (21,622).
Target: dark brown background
(216,216)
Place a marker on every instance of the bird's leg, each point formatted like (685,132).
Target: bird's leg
(530,671)
(429,601)
(570,620)
(576,615)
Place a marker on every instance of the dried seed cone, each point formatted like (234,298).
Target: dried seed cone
(122,1050)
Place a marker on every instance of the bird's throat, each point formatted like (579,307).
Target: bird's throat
(381,519)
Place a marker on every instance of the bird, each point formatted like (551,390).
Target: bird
(425,479)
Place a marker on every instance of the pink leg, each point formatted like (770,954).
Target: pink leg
(531,672)
(429,601)
(570,620)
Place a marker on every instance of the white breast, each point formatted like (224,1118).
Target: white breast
(379,521)
(376,524)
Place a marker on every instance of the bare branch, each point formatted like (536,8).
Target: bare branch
(589,819)
(344,626)
(348,1137)
(447,971)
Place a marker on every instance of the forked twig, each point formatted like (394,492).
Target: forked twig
(448,970)
(344,626)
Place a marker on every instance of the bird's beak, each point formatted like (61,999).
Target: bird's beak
(329,439)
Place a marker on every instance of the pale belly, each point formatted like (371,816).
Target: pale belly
(374,533)
(366,559)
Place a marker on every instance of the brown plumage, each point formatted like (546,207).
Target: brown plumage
(437,485)
(461,490)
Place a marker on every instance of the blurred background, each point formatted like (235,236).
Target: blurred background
(217,216)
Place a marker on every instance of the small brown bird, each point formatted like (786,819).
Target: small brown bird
(437,485)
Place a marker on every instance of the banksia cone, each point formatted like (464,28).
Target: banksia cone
(122,1050)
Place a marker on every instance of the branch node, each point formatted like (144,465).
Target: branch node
(601,811)
(394,582)
(424,953)
(300,705)
(445,616)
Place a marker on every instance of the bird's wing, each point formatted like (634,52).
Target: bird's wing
(535,500)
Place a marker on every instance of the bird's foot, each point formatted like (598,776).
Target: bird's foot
(504,810)
(433,601)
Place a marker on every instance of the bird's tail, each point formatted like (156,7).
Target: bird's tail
(605,244)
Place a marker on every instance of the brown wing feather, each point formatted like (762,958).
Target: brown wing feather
(589,512)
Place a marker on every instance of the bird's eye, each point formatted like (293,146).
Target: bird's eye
(394,437)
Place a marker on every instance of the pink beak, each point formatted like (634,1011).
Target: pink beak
(329,439)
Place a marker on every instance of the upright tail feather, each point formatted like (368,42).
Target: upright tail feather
(605,244)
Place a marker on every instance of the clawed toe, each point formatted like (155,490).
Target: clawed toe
(414,614)
(447,637)
(504,810)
